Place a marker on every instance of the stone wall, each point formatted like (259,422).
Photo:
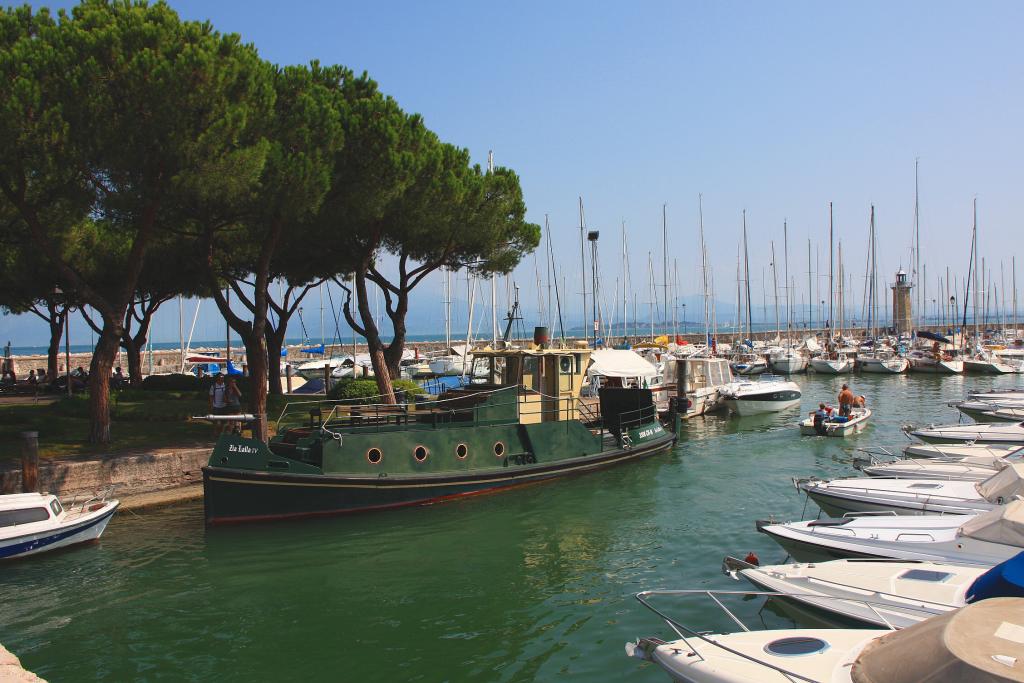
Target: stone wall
(129,474)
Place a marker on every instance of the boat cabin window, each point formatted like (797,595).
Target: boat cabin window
(925,575)
(26,516)
(55,506)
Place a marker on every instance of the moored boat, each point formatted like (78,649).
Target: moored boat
(32,523)
(768,395)
(524,425)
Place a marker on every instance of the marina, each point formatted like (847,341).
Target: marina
(548,596)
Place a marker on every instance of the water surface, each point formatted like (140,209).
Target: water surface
(532,584)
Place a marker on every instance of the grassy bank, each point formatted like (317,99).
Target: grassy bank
(140,420)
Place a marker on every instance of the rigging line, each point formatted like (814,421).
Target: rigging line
(337,324)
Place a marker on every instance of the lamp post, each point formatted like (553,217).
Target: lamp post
(592,238)
(684,318)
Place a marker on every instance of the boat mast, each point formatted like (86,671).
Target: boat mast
(653,292)
(746,271)
(775,285)
(810,288)
(664,259)
(448,310)
(625,276)
(831,319)
(789,291)
(1013,268)
(704,267)
(917,242)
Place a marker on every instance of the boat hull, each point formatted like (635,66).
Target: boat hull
(888,367)
(789,365)
(945,367)
(855,425)
(831,367)
(237,495)
(88,529)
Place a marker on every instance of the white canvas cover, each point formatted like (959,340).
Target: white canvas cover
(980,643)
(1003,525)
(1004,485)
(620,363)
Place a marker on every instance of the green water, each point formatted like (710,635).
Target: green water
(533,584)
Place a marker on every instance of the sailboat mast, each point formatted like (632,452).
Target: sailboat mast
(831,320)
(810,288)
(625,276)
(664,259)
(704,267)
(775,286)
(653,292)
(789,291)
(746,271)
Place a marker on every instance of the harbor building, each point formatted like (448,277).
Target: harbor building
(902,315)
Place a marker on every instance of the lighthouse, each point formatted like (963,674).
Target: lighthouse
(902,315)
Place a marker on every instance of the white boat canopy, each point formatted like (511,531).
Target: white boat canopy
(1004,485)
(979,643)
(1003,525)
(620,363)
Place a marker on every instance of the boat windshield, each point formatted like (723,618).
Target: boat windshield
(23,516)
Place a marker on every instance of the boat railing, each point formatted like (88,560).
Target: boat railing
(686,633)
(634,418)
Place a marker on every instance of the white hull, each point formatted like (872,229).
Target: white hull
(856,424)
(72,529)
(788,365)
(884,366)
(985,367)
(1001,433)
(744,407)
(831,367)
(942,367)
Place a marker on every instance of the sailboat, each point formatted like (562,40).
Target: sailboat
(746,362)
(785,360)
(879,359)
(831,362)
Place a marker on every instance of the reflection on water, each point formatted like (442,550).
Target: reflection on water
(534,584)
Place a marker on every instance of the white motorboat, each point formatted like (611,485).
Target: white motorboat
(936,364)
(749,364)
(997,395)
(314,369)
(978,642)
(997,433)
(769,394)
(838,497)
(900,594)
(959,450)
(973,469)
(836,425)
(32,523)
(836,364)
(983,410)
(886,364)
(787,361)
(986,539)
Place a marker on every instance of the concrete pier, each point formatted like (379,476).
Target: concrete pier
(11,670)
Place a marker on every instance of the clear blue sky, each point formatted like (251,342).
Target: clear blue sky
(777,108)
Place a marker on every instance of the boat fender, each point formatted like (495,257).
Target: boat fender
(752,558)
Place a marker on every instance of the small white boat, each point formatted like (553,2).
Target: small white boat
(836,425)
(988,364)
(998,433)
(984,410)
(986,539)
(699,381)
(749,364)
(770,394)
(838,497)
(963,469)
(883,364)
(314,369)
(942,364)
(32,523)
(787,361)
(835,365)
(901,594)
(974,643)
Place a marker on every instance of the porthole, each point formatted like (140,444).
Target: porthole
(420,453)
(461,451)
(499,449)
(374,455)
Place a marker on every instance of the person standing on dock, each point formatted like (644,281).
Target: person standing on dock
(846,401)
(234,403)
(219,400)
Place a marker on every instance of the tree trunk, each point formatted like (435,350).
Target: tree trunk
(256,358)
(53,350)
(373,342)
(133,350)
(275,342)
(393,353)
(99,383)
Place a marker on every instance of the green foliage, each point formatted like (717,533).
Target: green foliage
(174,382)
(365,390)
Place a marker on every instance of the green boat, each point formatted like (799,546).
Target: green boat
(525,424)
